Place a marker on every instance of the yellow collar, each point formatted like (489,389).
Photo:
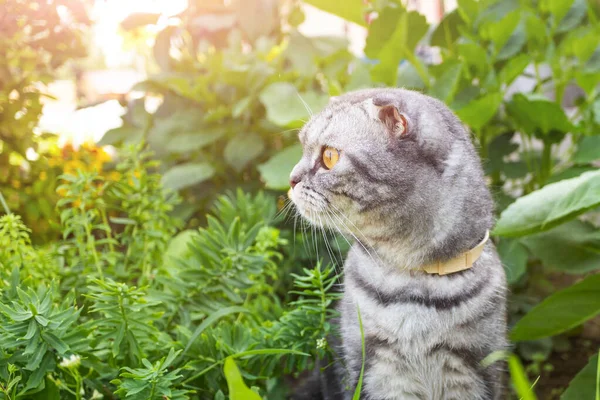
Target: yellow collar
(458,263)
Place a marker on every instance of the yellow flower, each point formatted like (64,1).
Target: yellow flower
(43,176)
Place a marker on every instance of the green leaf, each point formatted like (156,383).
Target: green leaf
(514,258)
(210,320)
(560,311)
(446,83)
(185,175)
(586,383)
(478,112)
(235,383)
(513,68)
(550,205)
(55,342)
(381,29)
(409,29)
(409,78)
(288,108)
(573,247)
(573,16)
(276,172)
(351,10)
(447,31)
(500,31)
(571,172)
(186,142)
(36,378)
(179,246)
(519,379)
(515,42)
(242,149)
(588,150)
(536,114)
(474,55)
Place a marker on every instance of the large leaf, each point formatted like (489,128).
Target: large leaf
(478,112)
(513,68)
(572,17)
(242,149)
(185,142)
(276,171)
(287,107)
(409,29)
(573,247)
(185,175)
(351,10)
(237,388)
(536,114)
(381,30)
(514,258)
(550,205)
(585,384)
(446,33)
(588,150)
(561,311)
(446,83)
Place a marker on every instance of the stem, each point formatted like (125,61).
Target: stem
(77,386)
(4,205)
(108,231)
(92,248)
(546,168)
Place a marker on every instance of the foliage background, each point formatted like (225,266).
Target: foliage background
(124,296)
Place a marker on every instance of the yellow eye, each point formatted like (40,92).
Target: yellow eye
(330,157)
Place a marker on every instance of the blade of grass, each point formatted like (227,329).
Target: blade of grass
(362,367)
(598,378)
(519,378)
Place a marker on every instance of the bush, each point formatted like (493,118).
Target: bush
(35,41)
(121,307)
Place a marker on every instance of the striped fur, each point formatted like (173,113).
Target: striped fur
(406,200)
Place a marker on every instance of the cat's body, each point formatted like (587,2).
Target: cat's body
(408,186)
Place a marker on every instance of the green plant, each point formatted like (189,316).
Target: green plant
(36,41)
(225,99)
(207,296)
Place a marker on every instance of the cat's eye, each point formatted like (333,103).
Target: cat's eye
(330,157)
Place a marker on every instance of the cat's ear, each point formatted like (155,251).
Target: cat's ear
(387,112)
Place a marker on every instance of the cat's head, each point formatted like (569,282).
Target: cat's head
(396,169)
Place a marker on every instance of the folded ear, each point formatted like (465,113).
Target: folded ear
(387,112)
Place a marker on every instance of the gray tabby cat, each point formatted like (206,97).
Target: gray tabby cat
(397,171)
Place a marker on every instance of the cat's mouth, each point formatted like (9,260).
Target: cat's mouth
(311,205)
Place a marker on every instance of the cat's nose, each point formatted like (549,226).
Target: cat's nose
(294,182)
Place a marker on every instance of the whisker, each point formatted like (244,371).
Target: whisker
(305,104)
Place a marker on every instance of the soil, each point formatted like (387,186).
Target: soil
(565,365)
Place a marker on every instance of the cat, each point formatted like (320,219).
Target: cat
(396,170)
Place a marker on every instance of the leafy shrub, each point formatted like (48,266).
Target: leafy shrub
(225,99)
(36,40)
(130,311)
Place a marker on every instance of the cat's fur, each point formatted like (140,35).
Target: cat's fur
(408,199)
